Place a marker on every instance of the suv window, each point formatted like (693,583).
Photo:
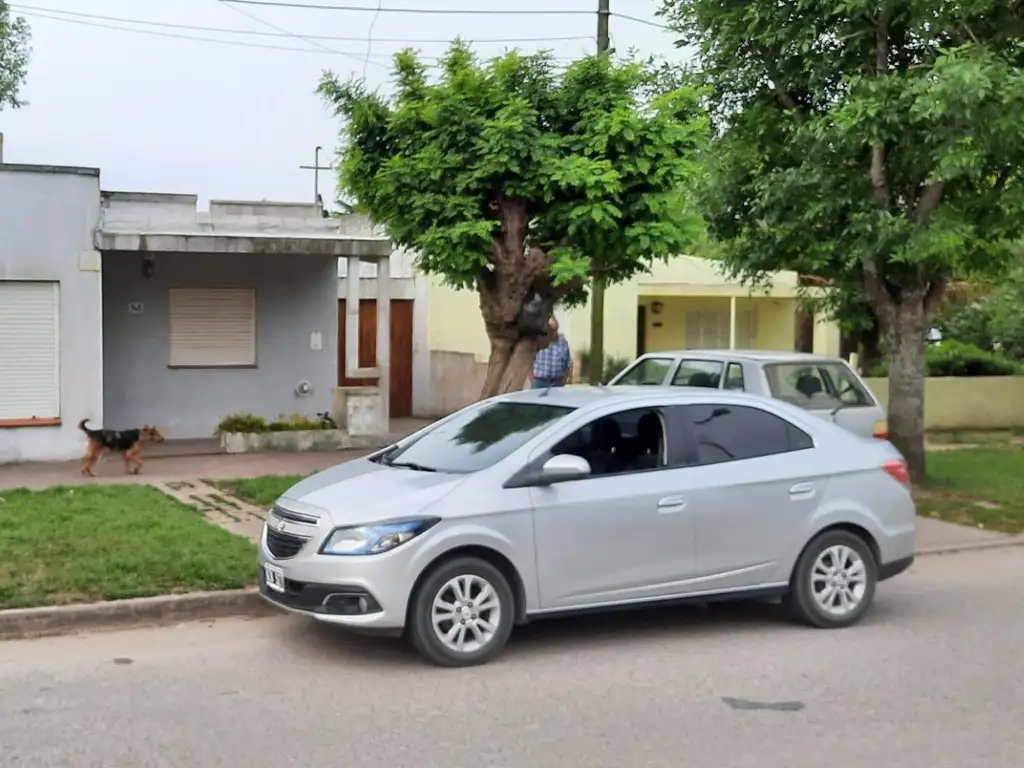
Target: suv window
(649,371)
(734,377)
(476,438)
(816,385)
(698,373)
(630,441)
(736,432)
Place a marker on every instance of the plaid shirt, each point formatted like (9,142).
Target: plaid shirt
(553,361)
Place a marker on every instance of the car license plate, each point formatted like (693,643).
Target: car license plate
(274,577)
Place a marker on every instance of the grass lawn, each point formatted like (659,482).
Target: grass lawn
(259,491)
(981,486)
(71,545)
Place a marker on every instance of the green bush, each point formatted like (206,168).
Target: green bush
(295,423)
(241,422)
(247,422)
(613,366)
(954,358)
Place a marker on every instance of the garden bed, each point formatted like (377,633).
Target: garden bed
(247,433)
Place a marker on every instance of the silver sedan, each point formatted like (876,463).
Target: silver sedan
(544,503)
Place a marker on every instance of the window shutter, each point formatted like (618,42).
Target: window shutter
(29,350)
(212,327)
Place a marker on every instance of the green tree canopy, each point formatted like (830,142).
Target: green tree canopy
(875,144)
(516,178)
(14,53)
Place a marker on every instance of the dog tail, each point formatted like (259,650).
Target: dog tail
(81,425)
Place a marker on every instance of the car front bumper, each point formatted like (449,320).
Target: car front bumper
(363,593)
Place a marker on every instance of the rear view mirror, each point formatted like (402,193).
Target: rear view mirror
(563,467)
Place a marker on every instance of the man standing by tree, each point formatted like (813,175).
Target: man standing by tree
(553,364)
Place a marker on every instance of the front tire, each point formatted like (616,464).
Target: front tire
(462,613)
(833,584)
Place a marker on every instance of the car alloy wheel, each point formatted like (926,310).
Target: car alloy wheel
(466,613)
(461,613)
(833,583)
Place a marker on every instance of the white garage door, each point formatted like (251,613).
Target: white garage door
(29,350)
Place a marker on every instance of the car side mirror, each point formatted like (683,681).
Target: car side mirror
(563,467)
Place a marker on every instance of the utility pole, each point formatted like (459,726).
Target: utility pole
(596,361)
(316,168)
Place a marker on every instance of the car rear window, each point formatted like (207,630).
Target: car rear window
(477,437)
(817,386)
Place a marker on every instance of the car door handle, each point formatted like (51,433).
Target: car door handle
(671,504)
(802,489)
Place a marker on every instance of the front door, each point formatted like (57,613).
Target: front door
(401,351)
(623,534)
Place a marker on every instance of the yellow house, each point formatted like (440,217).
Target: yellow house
(685,304)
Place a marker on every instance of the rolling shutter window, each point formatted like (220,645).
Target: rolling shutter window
(212,327)
(29,350)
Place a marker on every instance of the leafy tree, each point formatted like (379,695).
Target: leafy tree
(874,143)
(14,53)
(517,179)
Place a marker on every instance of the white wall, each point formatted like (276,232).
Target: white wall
(48,216)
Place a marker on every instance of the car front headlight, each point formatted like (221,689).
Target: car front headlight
(375,539)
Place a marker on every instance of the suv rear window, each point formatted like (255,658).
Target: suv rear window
(817,386)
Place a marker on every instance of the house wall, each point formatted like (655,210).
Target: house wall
(295,297)
(47,219)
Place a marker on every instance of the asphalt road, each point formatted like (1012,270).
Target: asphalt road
(932,679)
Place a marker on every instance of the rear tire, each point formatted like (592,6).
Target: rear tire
(833,583)
(461,614)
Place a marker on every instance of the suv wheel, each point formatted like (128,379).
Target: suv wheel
(462,613)
(834,581)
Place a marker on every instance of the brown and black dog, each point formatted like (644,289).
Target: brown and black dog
(127,442)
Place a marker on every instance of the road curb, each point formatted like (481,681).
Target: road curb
(22,623)
(952,549)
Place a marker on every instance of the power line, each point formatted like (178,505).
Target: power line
(369,35)
(423,11)
(236,43)
(260,33)
(638,20)
(316,43)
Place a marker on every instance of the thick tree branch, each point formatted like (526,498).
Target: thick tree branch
(928,202)
(934,295)
(879,179)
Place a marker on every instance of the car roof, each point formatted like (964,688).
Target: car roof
(754,355)
(585,395)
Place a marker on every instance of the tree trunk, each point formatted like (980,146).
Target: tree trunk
(508,366)
(595,374)
(904,328)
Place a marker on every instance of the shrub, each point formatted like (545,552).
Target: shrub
(954,358)
(241,422)
(295,423)
(613,366)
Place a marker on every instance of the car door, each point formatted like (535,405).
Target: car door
(754,479)
(622,534)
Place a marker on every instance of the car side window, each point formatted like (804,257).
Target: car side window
(698,373)
(629,441)
(723,433)
(650,371)
(734,377)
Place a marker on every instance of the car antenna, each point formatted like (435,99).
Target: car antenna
(546,390)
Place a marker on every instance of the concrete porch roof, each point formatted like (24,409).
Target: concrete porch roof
(166,223)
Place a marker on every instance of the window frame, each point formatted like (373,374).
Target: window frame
(51,417)
(177,364)
(725,379)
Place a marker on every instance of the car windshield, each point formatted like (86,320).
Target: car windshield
(476,438)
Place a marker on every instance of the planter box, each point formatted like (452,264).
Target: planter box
(297,441)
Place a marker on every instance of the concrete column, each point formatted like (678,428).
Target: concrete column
(384,338)
(351,317)
(732,322)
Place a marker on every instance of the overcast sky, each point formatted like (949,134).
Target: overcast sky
(166,114)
